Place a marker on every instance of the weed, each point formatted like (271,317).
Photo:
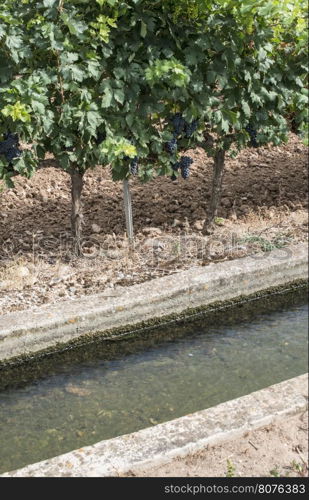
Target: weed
(266,245)
(275,472)
(301,469)
(231,469)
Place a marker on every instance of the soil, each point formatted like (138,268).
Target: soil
(277,450)
(264,206)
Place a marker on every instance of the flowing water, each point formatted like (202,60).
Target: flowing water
(108,389)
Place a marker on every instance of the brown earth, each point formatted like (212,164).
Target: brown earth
(264,206)
(277,450)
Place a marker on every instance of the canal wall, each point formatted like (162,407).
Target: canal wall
(127,310)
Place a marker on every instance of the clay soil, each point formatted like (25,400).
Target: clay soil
(277,450)
(264,206)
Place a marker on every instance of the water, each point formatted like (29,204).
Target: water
(113,388)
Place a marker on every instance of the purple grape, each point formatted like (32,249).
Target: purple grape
(134,166)
(171,146)
(190,128)
(252,133)
(178,123)
(185,164)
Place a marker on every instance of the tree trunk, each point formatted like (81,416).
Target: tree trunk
(219,162)
(77,209)
(127,200)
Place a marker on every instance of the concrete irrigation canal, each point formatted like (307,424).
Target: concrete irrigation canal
(98,387)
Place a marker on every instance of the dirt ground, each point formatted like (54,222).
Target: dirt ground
(277,450)
(264,206)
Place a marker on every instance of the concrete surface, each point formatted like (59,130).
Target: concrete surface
(27,332)
(177,438)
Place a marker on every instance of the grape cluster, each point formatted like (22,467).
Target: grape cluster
(171,146)
(182,126)
(252,133)
(185,164)
(9,147)
(175,168)
(190,128)
(178,123)
(134,166)
(100,138)
(13,152)
(10,141)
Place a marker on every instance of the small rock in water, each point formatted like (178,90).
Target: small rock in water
(76,390)
(153,421)
(51,431)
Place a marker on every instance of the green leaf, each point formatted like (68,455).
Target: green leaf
(119,95)
(211,76)
(38,107)
(73,72)
(225,126)
(94,119)
(143,29)
(230,115)
(107,98)
(130,120)
(49,3)
(75,26)
(246,108)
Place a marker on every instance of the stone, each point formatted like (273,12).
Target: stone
(225,202)
(198,225)
(44,196)
(154,244)
(96,228)
(152,230)
(244,208)
(114,254)
(63,271)
(22,272)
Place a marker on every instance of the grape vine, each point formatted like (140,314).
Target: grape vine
(116,83)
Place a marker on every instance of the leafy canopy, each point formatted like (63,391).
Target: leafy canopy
(97,82)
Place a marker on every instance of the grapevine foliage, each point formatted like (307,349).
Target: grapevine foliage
(135,83)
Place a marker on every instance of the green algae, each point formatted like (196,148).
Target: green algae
(109,343)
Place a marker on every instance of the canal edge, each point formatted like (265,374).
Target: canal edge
(27,334)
